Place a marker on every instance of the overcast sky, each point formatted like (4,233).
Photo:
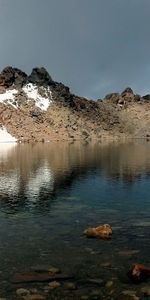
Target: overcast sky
(93,46)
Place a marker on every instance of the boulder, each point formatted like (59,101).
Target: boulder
(103,232)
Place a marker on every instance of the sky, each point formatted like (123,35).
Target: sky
(94,46)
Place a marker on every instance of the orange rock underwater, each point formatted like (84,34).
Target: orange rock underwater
(103,232)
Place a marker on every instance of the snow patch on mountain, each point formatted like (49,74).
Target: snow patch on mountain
(9,98)
(6,137)
(31,90)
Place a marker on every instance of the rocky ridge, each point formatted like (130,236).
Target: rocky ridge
(36,108)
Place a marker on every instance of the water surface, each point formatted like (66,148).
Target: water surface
(50,193)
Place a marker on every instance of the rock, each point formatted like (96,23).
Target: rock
(22,292)
(127,90)
(12,76)
(146,97)
(138,273)
(33,291)
(53,285)
(96,281)
(43,269)
(112,96)
(128,252)
(109,284)
(106,265)
(129,292)
(70,286)
(38,277)
(35,297)
(146,290)
(96,294)
(137,98)
(40,76)
(54,270)
(103,231)
(128,295)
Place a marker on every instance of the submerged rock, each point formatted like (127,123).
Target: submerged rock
(146,290)
(39,277)
(103,231)
(35,297)
(22,292)
(139,273)
(70,286)
(53,285)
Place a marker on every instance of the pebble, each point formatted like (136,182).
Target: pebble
(109,284)
(70,286)
(53,285)
(22,292)
(106,265)
(54,270)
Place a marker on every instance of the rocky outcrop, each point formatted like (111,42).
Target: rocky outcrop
(12,77)
(126,97)
(37,108)
(40,76)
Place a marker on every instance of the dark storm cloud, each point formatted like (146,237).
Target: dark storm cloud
(95,47)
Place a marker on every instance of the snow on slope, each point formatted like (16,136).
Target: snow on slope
(31,91)
(6,137)
(9,97)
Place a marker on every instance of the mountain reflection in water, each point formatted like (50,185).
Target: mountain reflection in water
(29,173)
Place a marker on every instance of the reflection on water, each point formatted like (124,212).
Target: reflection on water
(49,193)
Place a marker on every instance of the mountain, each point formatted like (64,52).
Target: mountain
(36,108)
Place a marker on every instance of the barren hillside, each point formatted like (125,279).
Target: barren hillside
(37,108)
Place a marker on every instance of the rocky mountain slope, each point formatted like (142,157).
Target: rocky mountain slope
(36,108)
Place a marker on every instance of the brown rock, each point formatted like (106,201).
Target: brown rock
(139,273)
(38,277)
(103,231)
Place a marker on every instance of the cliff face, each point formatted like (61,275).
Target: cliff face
(37,108)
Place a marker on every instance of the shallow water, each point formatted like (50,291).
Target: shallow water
(50,193)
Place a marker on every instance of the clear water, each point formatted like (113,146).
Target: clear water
(50,193)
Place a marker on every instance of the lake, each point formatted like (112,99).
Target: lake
(50,193)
